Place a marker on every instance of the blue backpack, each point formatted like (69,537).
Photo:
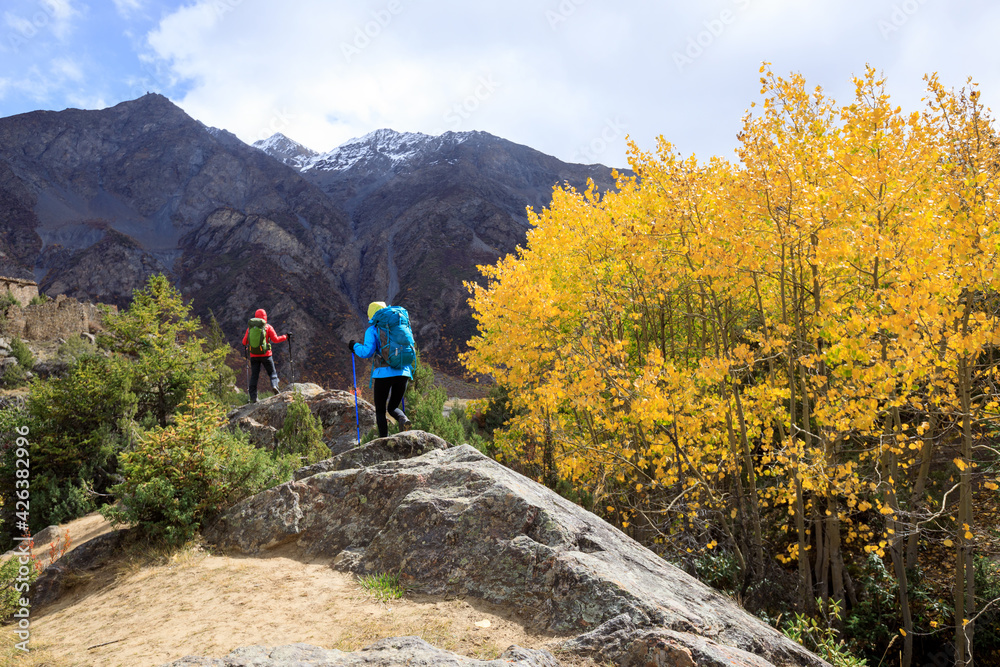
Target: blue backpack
(395,338)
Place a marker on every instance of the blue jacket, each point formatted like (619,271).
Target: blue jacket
(368,349)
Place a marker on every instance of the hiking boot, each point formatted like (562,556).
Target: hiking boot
(405,426)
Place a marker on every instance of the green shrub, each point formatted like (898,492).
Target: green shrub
(13,582)
(59,500)
(19,350)
(301,435)
(822,637)
(14,375)
(987,636)
(872,621)
(39,299)
(179,476)
(75,348)
(7,300)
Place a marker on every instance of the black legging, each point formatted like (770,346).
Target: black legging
(255,364)
(388,395)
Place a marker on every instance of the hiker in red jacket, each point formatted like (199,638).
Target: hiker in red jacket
(258,339)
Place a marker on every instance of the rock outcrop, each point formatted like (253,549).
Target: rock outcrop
(454,522)
(335,409)
(406,445)
(384,653)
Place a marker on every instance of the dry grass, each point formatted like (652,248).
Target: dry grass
(39,654)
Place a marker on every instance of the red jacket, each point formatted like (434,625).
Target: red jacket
(271,336)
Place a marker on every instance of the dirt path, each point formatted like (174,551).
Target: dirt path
(198,603)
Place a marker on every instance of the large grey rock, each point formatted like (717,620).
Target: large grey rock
(454,522)
(335,409)
(405,445)
(385,653)
(261,435)
(622,642)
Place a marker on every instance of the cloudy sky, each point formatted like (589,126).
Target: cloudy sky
(572,78)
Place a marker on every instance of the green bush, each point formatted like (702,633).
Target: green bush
(823,637)
(987,638)
(59,500)
(75,348)
(11,588)
(76,426)
(872,622)
(19,350)
(40,299)
(7,300)
(301,435)
(14,375)
(179,476)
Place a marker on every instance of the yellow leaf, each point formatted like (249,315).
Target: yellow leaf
(960,464)
(948,543)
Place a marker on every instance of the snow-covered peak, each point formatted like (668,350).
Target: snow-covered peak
(288,151)
(386,145)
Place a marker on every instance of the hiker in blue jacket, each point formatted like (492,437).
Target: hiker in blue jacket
(388,383)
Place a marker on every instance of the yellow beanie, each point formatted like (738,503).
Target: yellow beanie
(374,307)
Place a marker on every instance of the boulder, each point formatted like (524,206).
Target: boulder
(261,435)
(335,409)
(622,642)
(384,653)
(51,368)
(454,522)
(87,557)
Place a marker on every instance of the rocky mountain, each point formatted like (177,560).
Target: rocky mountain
(427,210)
(285,150)
(93,202)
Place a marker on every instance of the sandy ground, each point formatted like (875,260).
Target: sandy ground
(148,609)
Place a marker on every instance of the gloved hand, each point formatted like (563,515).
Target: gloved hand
(289,335)
(350,346)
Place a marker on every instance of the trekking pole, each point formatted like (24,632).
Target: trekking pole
(357,419)
(291,358)
(246,356)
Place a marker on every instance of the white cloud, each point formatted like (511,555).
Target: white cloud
(128,8)
(569,77)
(19,24)
(62,13)
(66,69)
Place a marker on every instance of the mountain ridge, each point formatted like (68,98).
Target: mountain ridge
(96,201)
